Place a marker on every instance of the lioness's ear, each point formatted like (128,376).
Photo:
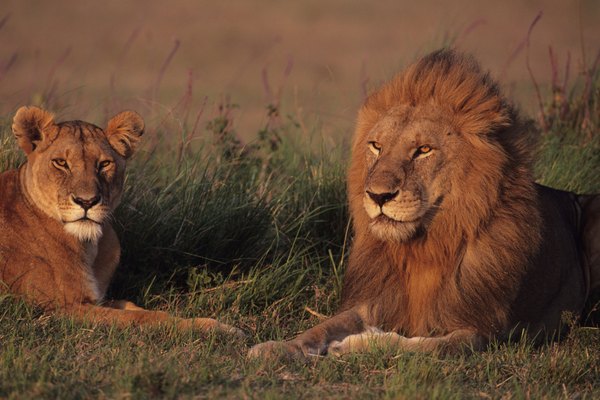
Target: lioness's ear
(31,125)
(124,131)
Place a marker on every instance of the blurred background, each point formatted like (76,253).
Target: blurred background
(314,59)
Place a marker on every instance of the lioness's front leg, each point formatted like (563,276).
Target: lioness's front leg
(454,341)
(106,262)
(124,313)
(316,340)
(107,258)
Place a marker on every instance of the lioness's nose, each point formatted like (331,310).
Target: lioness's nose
(86,204)
(381,198)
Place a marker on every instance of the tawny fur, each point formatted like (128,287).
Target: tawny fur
(57,247)
(466,247)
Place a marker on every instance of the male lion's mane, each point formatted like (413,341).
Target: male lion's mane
(462,270)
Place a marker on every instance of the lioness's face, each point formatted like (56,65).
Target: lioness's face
(73,173)
(406,154)
(78,179)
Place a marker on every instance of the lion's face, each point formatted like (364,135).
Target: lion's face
(407,152)
(75,170)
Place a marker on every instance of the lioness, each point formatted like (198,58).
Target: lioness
(454,243)
(57,246)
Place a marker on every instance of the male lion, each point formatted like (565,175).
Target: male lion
(454,243)
(57,246)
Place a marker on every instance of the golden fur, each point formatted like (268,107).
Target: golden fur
(454,243)
(57,246)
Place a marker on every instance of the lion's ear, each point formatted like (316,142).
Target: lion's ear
(124,131)
(31,125)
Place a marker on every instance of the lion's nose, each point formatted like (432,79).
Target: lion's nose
(86,204)
(381,198)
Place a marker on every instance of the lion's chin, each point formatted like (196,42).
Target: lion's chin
(84,230)
(389,230)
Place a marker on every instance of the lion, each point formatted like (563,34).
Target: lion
(58,249)
(454,244)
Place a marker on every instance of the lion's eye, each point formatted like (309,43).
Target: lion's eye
(60,163)
(103,164)
(375,147)
(422,151)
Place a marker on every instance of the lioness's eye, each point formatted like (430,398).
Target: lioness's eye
(422,150)
(60,163)
(103,164)
(375,147)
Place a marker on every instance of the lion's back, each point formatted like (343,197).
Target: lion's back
(556,280)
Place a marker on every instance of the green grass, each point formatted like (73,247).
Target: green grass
(46,357)
(253,235)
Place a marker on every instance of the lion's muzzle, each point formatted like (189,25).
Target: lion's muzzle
(395,215)
(400,206)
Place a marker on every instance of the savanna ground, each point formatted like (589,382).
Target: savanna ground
(235,207)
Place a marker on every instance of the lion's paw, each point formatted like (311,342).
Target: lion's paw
(364,342)
(350,344)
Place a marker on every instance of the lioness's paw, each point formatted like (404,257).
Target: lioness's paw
(209,324)
(232,330)
(273,350)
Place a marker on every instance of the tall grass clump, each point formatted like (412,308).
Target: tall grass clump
(569,120)
(270,214)
(10,157)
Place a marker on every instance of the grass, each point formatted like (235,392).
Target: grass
(256,235)
(46,357)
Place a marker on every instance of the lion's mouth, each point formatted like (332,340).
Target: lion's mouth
(394,211)
(407,225)
(383,222)
(84,219)
(384,219)
(389,229)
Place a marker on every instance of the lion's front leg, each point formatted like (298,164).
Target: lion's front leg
(455,341)
(316,340)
